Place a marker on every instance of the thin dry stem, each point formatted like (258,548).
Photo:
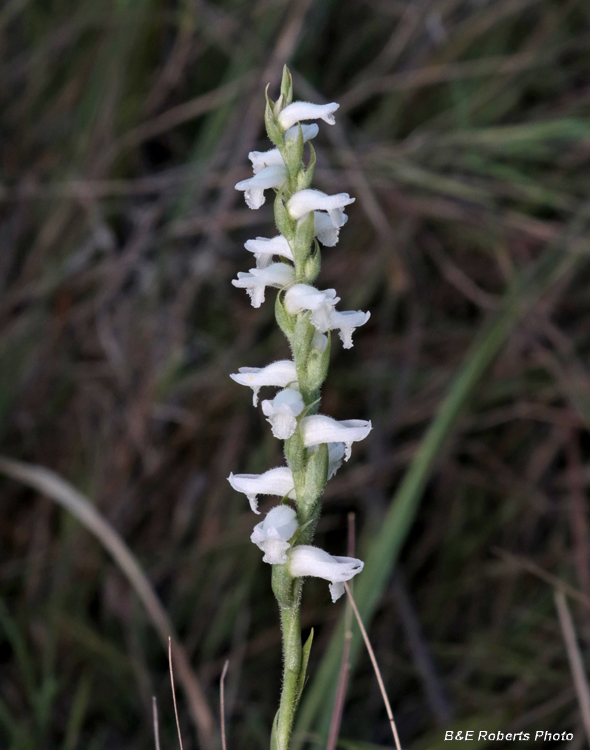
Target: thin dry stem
(375,667)
(174,693)
(222,704)
(156,723)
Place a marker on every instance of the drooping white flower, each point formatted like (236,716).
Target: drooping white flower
(306,560)
(277,481)
(280,374)
(272,535)
(322,429)
(282,412)
(321,304)
(264,249)
(257,279)
(304,201)
(335,457)
(298,111)
(346,322)
(325,229)
(261,159)
(254,187)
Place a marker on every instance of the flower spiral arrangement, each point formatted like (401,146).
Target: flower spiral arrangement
(315,445)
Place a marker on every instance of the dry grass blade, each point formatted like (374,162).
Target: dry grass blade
(174,693)
(375,667)
(222,704)
(575,659)
(156,723)
(56,488)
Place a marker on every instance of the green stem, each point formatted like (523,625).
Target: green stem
(291,627)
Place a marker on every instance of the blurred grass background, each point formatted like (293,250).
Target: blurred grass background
(464,134)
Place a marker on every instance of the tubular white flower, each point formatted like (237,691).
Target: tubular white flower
(272,535)
(257,279)
(304,201)
(254,187)
(346,322)
(264,249)
(321,304)
(282,412)
(322,429)
(261,159)
(277,481)
(280,374)
(325,230)
(298,111)
(306,560)
(335,457)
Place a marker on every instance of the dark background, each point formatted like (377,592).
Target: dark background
(464,135)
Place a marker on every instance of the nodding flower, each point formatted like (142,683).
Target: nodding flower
(346,322)
(261,159)
(325,231)
(319,429)
(282,412)
(277,482)
(279,374)
(304,201)
(273,534)
(298,111)
(269,177)
(306,560)
(257,279)
(301,297)
(264,249)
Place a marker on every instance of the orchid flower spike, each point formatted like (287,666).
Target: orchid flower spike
(346,322)
(263,249)
(321,429)
(279,374)
(304,201)
(270,177)
(257,279)
(282,412)
(277,482)
(301,297)
(272,535)
(298,111)
(306,560)
(261,159)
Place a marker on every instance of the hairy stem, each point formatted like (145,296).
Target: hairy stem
(291,627)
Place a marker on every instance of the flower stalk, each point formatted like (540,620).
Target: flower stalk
(314,444)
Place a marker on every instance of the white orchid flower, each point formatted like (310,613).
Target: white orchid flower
(304,201)
(301,297)
(282,412)
(306,560)
(261,159)
(325,229)
(277,481)
(319,341)
(257,279)
(298,111)
(272,535)
(319,429)
(279,374)
(335,457)
(346,322)
(263,249)
(254,187)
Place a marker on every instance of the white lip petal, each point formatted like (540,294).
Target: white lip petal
(325,230)
(306,560)
(298,111)
(282,412)
(257,279)
(263,249)
(279,374)
(304,201)
(322,429)
(346,322)
(277,482)
(269,177)
(309,132)
(335,457)
(272,535)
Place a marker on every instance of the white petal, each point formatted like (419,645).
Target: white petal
(261,159)
(264,249)
(309,132)
(257,279)
(282,412)
(335,457)
(277,481)
(298,111)
(305,297)
(254,187)
(325,230)
(272,535)
(347,321)
(320,341)
(306,560)
(321,429)
(304,201)
(279,374)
